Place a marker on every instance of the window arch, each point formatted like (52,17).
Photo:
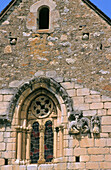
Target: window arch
(43,20)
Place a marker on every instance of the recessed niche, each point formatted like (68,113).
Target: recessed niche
(85,36)
(77,158)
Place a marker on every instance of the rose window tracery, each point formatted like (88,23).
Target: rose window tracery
(42,106)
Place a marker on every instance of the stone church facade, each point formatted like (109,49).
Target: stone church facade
(55,86)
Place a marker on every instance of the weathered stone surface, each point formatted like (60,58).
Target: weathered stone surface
(7,49)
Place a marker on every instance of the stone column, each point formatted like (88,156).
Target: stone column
(41,145)
(28,143)
(19,144)
(61,141)
(55,143)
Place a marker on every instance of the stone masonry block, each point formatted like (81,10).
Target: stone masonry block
(7,98)
(92,99)
(97,158)
(105,165)
(98,151)
(2,146)
(92,165)
(101,112)
(68,152)
(89,113)
(107,105)
(6,134)
(86,142)
(82,92)
(78,100)
(1,98)
(80,151)
(32,167)
(68,85)
(71,92)
(84,158)
(7,167)
(81,106)
(96,106)
(1,136)
(10,146)
(109,142)
(100,142)
(45,167)
(108,158)
(106,128)
(2,161)
(109,112)
(76,165)
(106,120)
(106,99)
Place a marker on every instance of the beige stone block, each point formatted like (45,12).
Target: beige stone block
(109,142)
(8,49)
(10,146)
(108,158)
(82,92)
(68,85)
(86,142)
(78,165)
(106,120)
(78,86)
(101,112)
(92,98)
(73,143)
(109,112)
(106,99)
(89,113)
(22,167)
(71,92)
(97,158)
(80,151)
(107,105)
(84,158)
(6,134)
(68,152)
(104,135)
(1,98)
(8,154)
(7,98)
(100,142)
(13,134)
(2,146)
(72,159)
(96,106)
(81,106)
(4,104)
(1,136)
(106,128)
(92,165)
(2,161)
(78,100)
(60,166)
(7,167)
(66,144)
(45,167)
(98,151)
(105,165)
(32,167)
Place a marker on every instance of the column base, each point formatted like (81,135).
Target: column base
(41,161)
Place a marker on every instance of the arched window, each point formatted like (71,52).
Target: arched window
(34,152)
(48,142)
(44,18)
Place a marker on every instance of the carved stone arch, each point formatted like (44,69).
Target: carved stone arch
(32,86)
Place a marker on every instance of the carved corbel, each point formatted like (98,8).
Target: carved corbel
(78,123)
(96,123)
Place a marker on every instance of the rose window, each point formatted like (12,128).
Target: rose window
(42,106)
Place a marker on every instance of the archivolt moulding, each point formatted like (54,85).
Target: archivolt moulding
(30,87)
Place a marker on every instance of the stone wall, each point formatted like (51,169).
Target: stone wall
(78,48)
(79,151)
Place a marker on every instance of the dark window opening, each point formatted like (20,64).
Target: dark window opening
(34,152)
(77,159)
(44,18)
(6,161)
(48,142)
